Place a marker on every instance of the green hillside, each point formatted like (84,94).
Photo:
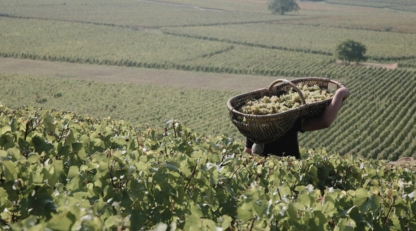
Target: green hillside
(63,171)
(113,116)
(227,37)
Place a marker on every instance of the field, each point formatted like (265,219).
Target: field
(86,173)
(149,61)
(113,116)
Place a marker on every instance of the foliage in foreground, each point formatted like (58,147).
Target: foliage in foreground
(61,171)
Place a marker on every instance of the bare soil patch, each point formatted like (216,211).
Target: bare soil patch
(134,75)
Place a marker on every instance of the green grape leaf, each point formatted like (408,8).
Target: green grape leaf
(32,158)
(7,141)
(63,150)
(192,222)
(53,172)
(30,222)
(73,172)
(70,139)
(14,125)
(62,221)
(208,224)
(292,212)
(245,212)
(10,170)
(328,209)
(313,171)
(412,225)
(4,128)
(318,222)
(195,210)
(361,196)
(3,153)
(4,199)
(225,222)
(36,177)
(78,148)
(260,207)
(355,214)
(49,122)
(112,221)
(136,220)
(305,199)
(373,202)
(345,225)
(173,166)
(41,145)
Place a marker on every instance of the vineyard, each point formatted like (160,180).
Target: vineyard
(404,5)
(384,117)
(376,123)
(54,41)
(62,171)
(81,152)
(320,39)
(203,110)
(136,14)
(245,39)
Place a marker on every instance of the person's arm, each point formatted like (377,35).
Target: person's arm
(330,113)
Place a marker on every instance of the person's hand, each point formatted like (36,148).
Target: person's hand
(343,92)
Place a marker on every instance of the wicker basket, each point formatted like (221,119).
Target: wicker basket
(267,128)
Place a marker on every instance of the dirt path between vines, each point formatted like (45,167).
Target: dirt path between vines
(134,75)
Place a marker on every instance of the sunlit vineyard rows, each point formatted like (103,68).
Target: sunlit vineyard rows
(220,37)
(408,63)
(254,60)
(55,42)
(97,148)
(404,5)
(76,42)
(63,171)
(378,121)
(202,110)
(137,14)
(319,39)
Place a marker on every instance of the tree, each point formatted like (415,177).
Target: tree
(350,51)
(283,6)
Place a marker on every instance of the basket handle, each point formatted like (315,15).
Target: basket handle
(339,85)
(291,84)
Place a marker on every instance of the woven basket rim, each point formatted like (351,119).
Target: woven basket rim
(235,110)
(266,128)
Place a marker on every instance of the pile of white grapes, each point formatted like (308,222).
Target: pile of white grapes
(277,104)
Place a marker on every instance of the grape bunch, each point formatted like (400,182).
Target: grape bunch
(277,104)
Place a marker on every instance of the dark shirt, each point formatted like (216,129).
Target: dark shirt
(287,145)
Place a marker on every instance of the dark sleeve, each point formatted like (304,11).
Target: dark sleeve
(249,143)
(298,126)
